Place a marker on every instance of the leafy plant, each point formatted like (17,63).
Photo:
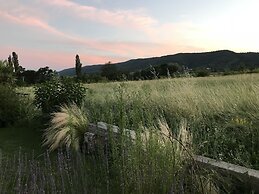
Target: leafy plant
(52,94)
(6,72)
(9,105)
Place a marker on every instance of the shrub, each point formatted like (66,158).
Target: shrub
(13,107)
(202,73)
(9,105)
(52,94)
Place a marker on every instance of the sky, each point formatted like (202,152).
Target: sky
(51,32)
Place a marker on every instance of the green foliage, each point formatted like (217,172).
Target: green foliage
(52,94)
(207,111)
(202,73)
(30,76)
(13,107)
(6,72)
(232,138)
(44,74)
(92,78)
(159,71)
(9,105)
(17,68)
(110,71)
(211,106)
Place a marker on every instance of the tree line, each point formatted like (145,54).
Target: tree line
(12,72)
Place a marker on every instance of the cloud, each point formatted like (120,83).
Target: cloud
(161,35)
(126,49)
(163,38)
(30,21)
(119,18)
(174,33)
(122,48)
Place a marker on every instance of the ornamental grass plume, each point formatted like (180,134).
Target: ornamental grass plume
(67,128)
(182,141)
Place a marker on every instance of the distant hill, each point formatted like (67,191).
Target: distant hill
(218,60)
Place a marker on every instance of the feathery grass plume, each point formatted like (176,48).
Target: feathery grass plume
(183,139)
(184,135)
(164,136)
(67,128)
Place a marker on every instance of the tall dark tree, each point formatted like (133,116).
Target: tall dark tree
(78,66)
(15,62)
(10,62)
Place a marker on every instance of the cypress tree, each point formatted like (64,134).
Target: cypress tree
(15,62)
(78,67)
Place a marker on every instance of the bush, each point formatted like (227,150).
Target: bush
(9,105)
(52,94)
(202,73)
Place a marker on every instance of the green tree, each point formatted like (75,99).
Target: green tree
(18,70)
(110,71)
(78,67)
(30,76)
(45,74)
(10,62)
(50,95)
(203,73)
(15,62)
(6,72)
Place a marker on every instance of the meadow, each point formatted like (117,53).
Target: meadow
(212,116)
(221,113)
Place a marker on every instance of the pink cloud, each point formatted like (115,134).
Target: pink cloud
(30,21)
(103,51)
(165,33)
(125,49)
(133,19)
(119,18)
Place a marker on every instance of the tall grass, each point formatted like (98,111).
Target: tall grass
(149,163)
(119,166)
(172,118)
(221,112)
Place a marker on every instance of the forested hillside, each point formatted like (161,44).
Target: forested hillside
(216,60)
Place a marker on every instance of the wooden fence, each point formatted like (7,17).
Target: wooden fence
(249,177)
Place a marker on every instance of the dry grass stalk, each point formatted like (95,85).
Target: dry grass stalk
(67,128)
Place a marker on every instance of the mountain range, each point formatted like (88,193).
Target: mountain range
(218,60)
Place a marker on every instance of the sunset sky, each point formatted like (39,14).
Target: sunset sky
(51,32)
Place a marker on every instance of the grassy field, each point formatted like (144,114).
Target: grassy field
(215,116)
(222,113)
